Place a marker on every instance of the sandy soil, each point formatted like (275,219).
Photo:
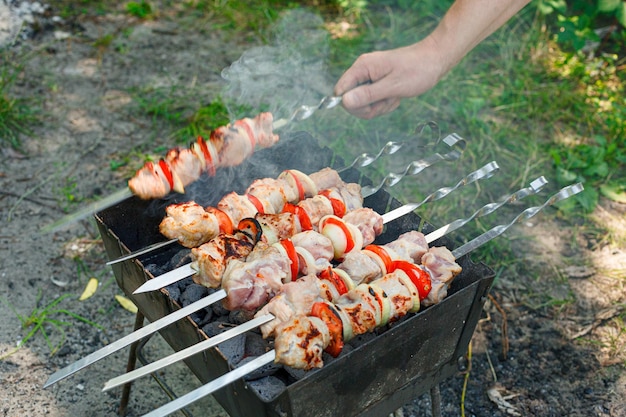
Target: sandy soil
(565,357)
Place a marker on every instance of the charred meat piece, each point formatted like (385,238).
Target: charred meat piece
(211,258)
(301,341)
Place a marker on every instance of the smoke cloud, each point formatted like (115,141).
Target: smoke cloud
(288,72)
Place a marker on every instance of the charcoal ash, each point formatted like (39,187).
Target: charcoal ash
(268,388)
(296,374)
(240,316)
(220,310)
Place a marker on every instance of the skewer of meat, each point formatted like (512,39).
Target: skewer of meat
(214,260)
(456,143)
(193,225)
(270,356)
(227,146)
(187,270)
(431,281)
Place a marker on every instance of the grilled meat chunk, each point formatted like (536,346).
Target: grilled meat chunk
(441,265)
(189,223)
(252,283)
(211,258)
(301,341)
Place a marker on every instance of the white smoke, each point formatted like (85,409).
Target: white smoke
(289,72)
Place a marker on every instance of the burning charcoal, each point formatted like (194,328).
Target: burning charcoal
(193,293)
(154,269)
(219,310)
(266,370)
(180,258)
(174,292)
(214,328)
(256,345)
(240,316)
(296,373)
(267,388)
(234,349)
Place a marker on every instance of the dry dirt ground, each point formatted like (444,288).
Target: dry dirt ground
(564,357)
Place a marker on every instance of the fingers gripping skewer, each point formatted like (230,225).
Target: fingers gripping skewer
(534,188)
(269,357)
(187,270)
(454,141)
(219,295)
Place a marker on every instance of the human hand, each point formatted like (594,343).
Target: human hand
(377,81)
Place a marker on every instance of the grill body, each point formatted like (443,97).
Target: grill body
(379,374)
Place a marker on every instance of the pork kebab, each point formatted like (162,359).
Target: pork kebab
(320,193)
(264,359)
(211,258)
(226,146)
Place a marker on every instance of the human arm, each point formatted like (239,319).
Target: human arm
(377,81)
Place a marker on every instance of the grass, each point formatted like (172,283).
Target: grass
(40,319)
(16,114)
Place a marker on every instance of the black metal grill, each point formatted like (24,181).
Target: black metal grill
(377,373)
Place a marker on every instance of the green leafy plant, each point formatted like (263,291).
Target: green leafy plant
(141,9)
(41,318)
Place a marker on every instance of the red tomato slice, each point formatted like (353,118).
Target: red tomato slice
(382,254)
(204,146)
(339,208)
(338,222)
(293,257)
(335,279)
(418,276)
(257,203)
(328,315)
(226,225)
(168,173)
(303,216)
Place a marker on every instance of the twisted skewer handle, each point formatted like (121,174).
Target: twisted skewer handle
(304,112)
(391,147)
(565,193)
(453,140)
(486,171)
(533,188)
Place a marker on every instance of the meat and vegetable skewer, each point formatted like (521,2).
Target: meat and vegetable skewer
(389,285)
(456,144)
(269,357)
(166,279)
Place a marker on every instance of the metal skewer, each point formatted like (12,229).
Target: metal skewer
(391,147)
(534,188)
(169,319)
(454,141)
(301,113)
(269,357)
(187,270)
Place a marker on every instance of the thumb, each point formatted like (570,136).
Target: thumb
(360,96)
